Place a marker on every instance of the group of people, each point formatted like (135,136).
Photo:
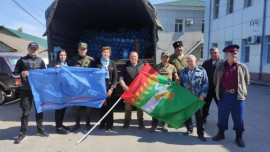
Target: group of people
(224,81)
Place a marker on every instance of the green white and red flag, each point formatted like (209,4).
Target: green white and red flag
(161,98)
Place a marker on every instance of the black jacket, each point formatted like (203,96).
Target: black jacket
(129,72)
(27,63)
(112,72)
(210,70)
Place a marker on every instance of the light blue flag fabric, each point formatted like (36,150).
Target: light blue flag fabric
(56,88)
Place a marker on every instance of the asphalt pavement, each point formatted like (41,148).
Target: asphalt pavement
(256,136)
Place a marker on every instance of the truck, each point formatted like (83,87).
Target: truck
(124,25)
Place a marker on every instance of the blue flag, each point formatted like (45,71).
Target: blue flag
(56,88)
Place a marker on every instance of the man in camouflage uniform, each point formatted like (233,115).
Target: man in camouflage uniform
(178,59)
(168,71)
(82,60)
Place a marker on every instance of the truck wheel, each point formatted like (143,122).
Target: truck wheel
(2,97)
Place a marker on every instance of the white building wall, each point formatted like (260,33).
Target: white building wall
(236,27)
(192,33)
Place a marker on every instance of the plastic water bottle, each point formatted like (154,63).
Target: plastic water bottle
(125,54)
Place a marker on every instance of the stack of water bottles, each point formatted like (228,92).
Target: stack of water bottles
(122,41)
(56,49)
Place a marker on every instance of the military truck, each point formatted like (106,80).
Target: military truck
(125,25)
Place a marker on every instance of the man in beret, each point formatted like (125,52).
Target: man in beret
(23,65)
(82,60)
(231,79)
(178,59)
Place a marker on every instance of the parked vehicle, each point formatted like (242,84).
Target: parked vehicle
(124,25)
(9,83)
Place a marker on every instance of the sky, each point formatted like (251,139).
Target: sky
(14,17)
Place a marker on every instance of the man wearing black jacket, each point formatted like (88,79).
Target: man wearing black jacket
(210,66)
(23,65)
(128,73)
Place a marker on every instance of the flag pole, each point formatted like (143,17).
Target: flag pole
(97,122)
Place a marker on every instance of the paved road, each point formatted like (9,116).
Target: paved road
(256,136)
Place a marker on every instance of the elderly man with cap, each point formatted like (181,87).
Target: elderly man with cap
(210,66)
(168,71)
(231,79)
(23,65)
(194,79)
(178,59)
(82,60)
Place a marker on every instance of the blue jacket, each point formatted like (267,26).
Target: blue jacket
(196,83)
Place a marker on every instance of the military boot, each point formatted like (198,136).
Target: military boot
(126,124)
(76,126)
(238,140)
(219,136)
(141,124)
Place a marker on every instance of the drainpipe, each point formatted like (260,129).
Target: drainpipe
(209,28)
(262,39)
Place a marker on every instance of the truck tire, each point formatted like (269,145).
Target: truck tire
(2,97)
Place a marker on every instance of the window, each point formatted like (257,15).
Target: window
(246,52)
(268,50)
(215,45)
(202,25)
(201,56)
(179,25)
(230,6)
(247,3)
(216,9)
(227,43)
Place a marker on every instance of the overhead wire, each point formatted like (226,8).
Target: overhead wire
(28,12)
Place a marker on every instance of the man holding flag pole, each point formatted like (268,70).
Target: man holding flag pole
(168,71)
(161,98)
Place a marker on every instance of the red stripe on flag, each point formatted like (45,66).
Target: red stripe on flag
(139,84)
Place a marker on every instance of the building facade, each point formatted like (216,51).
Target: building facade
(182,20)
(245,23)
(14,42)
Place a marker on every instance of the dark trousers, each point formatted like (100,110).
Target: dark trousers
(108,120)
(78,111)
(26,104)
(199,123)
(227,104)
(59,117)
(155,122)
(210,95)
